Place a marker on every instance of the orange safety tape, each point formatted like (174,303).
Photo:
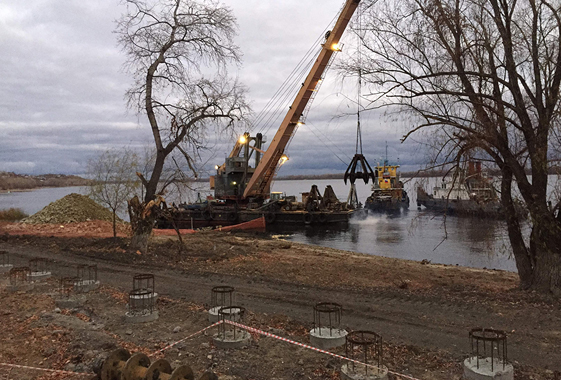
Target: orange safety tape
(93,374)
(184,339)
(207,328)
(46,369)
(252,329)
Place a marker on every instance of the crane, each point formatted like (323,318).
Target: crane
(235,175)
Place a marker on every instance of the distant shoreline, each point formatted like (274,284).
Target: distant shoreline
(35,188)
(12,182)
(16,191)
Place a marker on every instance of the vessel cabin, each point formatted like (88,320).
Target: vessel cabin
(470,189)
(450,190)
(387,177)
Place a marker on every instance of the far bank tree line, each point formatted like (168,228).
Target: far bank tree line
(13,181)
(479,78)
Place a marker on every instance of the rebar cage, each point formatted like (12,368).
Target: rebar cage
(234,314)
(66,286)
(19,276)
(365,347)
(221,296)
(327,317)
(87,274)
(494,344)
(141,301)
(4,259)
(39,265)
(143,281)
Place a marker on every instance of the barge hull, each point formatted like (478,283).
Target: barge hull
(467,207)
(189,220)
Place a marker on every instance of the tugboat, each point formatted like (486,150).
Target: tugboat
(470,194)
(388,193)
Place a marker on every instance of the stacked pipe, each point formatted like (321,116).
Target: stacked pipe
(120,365)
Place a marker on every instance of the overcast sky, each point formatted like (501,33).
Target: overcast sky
(62,87)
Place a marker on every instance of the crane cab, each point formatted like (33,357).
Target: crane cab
(232,177)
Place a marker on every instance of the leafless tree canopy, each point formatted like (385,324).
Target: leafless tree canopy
(113,179)
(178,53)
(484,75)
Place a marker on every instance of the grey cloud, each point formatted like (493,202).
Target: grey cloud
(62,86)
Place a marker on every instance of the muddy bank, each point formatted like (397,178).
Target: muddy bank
(423,311)
(45,336)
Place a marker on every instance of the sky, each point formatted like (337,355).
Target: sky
(62,87)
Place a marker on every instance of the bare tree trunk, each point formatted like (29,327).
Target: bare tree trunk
(143,221)
(539,265)
(114,223)
(547,271)
(141,224)
(141,235)
(152,185)
(521,254)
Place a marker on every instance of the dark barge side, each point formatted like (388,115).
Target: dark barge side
(313,209)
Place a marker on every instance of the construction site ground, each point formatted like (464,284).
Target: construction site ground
(423,311)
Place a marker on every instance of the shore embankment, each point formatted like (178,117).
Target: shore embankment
(423,311)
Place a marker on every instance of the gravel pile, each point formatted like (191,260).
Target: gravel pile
(71,209)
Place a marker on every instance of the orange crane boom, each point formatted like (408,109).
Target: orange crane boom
(261,179)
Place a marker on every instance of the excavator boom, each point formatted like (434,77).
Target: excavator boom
(261,179)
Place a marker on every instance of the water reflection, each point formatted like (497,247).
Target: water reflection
(417,235)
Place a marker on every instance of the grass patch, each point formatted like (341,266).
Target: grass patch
(12,214)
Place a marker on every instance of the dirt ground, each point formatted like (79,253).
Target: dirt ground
(423,311)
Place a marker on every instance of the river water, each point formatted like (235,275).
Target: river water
(413,234)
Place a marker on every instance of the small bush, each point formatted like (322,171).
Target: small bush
(12,214)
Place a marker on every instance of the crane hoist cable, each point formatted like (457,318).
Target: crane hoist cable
(358,149)
(287,85)
(311,52)
(320,135)
(359,168)
(288,94)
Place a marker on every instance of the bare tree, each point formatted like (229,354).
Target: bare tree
(172,46)
(485,76)
(114,180)
(174,181)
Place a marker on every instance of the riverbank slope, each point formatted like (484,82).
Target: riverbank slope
(423,311)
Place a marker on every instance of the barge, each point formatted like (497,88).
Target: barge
(313,209)
(242,192)
(471,193)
